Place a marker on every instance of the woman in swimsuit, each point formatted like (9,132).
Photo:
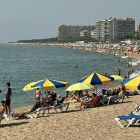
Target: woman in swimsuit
(37,95)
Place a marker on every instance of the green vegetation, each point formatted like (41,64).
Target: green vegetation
(86,39)
(49,40)
(55,40)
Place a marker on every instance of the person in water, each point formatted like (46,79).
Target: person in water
(119,71)
(8,98)
(38,94)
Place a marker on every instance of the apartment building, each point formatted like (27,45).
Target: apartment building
(111,28)
(73,31)
(138,28)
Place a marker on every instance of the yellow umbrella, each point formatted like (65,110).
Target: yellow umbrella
(50,84)
(96,79)
(29,86)
(79,86)
(45,84)
(133,83)
(117,77)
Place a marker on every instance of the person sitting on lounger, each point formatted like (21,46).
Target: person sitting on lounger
(75,98)
(2,107)
(90,100)
(75,93)
(58,98)
(58,102)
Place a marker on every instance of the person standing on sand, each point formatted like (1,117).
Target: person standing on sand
(37,95)
(8,98)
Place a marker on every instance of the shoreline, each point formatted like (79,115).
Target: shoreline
(82,47)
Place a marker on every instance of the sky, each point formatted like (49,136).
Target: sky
(38,19)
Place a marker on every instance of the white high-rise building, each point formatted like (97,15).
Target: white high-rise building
(111,28)
(138,28)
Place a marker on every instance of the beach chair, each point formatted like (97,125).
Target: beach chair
(59,105)
(111,99)
(119,97)
(93,104)
(104,100)
(130,119)
(8,116)
(35,112)
(135,92)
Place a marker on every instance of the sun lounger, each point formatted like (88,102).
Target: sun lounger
(93,104)
(130,119)
(111,99)
(133,92)
(8,116)
(59,105)
(35,112)
(104,100)
(119,97)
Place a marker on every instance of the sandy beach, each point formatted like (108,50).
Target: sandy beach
(82,47)
(87,124)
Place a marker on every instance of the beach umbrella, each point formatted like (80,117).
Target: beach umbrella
(133,83)
(117,77)
(50,84)
(29,86)
(135,74)
(79,86)
(96,79)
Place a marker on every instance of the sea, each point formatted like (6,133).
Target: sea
(21,65)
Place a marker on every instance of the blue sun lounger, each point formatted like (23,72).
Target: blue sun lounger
(130,119)
(59,105)
(7,116)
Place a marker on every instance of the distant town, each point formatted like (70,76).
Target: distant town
(111,30)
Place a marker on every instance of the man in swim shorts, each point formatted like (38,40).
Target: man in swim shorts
(8,98)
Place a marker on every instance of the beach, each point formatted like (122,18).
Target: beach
(88,124)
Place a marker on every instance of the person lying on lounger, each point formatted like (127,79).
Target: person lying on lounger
(75,98)
(2,107)
(22,115)
(83,102)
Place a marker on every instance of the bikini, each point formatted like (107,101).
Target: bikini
(37,95)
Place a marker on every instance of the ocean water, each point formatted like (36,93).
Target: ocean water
(21,65)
